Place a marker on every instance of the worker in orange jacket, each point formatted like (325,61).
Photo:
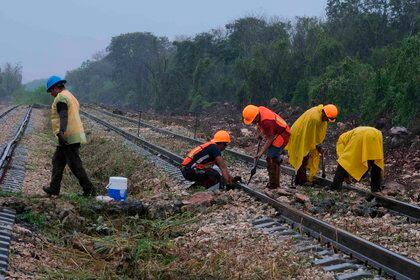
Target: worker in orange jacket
(276,133)
(204,164)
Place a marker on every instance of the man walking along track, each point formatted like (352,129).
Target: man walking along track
(68,129)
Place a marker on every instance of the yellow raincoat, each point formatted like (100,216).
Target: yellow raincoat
(306,133)
(356,147)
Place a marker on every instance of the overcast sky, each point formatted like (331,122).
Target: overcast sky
(53,36)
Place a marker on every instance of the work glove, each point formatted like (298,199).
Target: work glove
(237,179)
(61,139)
(228,180)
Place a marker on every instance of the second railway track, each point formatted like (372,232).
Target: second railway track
(372,254)
(11,178)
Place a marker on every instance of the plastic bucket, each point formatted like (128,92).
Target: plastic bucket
(117,188)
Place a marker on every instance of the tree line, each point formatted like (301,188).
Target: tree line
(364,57)
(10,80)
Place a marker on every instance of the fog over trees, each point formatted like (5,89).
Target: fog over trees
(364,57)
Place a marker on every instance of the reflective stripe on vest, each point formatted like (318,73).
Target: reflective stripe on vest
(75,132)
(194,152)
(267,114)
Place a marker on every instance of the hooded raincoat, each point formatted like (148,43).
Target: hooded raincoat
(306,133)
(356,147)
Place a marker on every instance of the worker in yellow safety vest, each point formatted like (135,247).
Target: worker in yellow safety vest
(306,136)
(360,150)
(68,129)
(204,164)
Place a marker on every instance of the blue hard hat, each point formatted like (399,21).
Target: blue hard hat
(53,80)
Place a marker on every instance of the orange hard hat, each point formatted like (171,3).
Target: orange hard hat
(249,114)
(331,112)
(221,136)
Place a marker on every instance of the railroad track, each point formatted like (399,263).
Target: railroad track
(371,254)
(10,182)
(8,111)
(412,212)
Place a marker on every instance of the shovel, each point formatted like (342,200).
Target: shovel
(254,167)
(323,166)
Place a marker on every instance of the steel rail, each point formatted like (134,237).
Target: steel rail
(8,111)
(411,211)
(372,254)
(11,145)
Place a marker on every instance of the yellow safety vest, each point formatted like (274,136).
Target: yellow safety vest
(306,133)
(356,147)
(74,133)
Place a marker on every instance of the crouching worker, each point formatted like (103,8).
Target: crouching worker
(276,133)
(204,164)
(358,151)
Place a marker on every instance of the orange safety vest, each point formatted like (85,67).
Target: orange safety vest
(193,152)
(281,139)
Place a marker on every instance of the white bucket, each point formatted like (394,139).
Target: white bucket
(117,188)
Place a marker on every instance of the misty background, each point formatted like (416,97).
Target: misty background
(189,57)
(51,37)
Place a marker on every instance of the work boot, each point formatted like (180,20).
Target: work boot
(50,191)
(215,188)
(300,177)
(89,192)
(273,168)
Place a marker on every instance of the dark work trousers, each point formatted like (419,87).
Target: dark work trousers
(301,178)
(68,154)
(375,177)
(206,177)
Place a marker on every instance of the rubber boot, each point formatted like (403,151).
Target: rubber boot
(50,191)
(216,187)
(274,174)
(301,178)
(89,191)
(339,177)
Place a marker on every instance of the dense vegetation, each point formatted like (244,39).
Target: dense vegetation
(364,57)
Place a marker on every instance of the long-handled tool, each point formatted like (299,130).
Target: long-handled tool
(323,165)
(254,167)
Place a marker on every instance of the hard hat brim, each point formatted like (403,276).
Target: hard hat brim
(218,141)
(247,122)
(60,81)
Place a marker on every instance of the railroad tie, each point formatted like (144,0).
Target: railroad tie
(6,224)
(262,220)
(340,267)
(328,261)
(360,274)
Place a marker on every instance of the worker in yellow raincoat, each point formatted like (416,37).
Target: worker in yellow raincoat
(360,150)
(306,136)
